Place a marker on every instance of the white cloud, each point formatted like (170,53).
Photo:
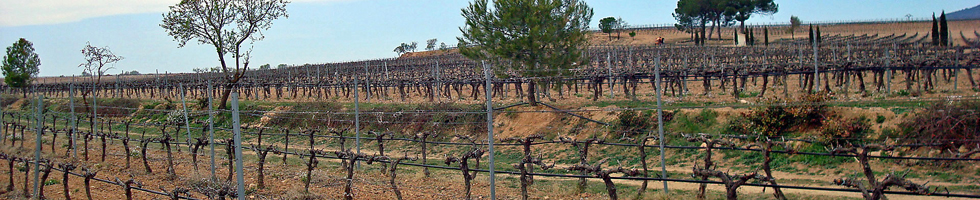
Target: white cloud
(36,12)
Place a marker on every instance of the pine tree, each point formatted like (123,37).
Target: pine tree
(943,30)
(697,39)
(20,65)
(547,46)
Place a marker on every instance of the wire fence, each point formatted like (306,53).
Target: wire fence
(107,126)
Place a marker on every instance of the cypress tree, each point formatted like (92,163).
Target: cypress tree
(935,30)
(748,37)
(819,38)
(752,37)
(811,34)
(765,32)
(943,30)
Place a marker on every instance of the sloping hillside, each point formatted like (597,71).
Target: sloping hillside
(969,13)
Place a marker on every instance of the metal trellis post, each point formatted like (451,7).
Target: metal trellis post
(95,112)
(239,165)
(37,145)
(660,122)
(493,186)
(612,93)
(357,118)
(74,118)
(211,127)
(187,123)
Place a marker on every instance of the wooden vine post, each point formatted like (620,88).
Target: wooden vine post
(125,142)
(583,151)
(27,173)
(732,182)
(143,146)
(198,143)
(128,187)
(422,137)
(392,172)
(67,167)
(709,144)
(165,140)
(351,160)
(11,159)
(285,150)
(380,138)
(262,152)
(641,146)
(44,177)
(464,166)
(176,192)
(342,141)
(310,165)
(875,189)
(767,147)
(88,175)
(230,150)
(526,164)
(605,175)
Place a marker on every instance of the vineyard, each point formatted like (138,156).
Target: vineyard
(788,120)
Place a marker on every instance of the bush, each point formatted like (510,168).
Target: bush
(951,124)
(630,123)
(6,100)
(841,131)
(811,109)
(778,118)
(202,103)
(771,121)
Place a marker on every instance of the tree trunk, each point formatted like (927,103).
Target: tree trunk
(391,171)
(610,187)
(643,163)
(262,156)
(64,183)
(767,154)
(146,164)
(225,92)
(531,93)
(10,167)
(88,188)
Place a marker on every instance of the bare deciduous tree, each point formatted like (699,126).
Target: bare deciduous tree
(98,60)
(227,25)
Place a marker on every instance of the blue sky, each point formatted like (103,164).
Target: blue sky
(320,31)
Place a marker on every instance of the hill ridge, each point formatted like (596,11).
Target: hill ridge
(968,13)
